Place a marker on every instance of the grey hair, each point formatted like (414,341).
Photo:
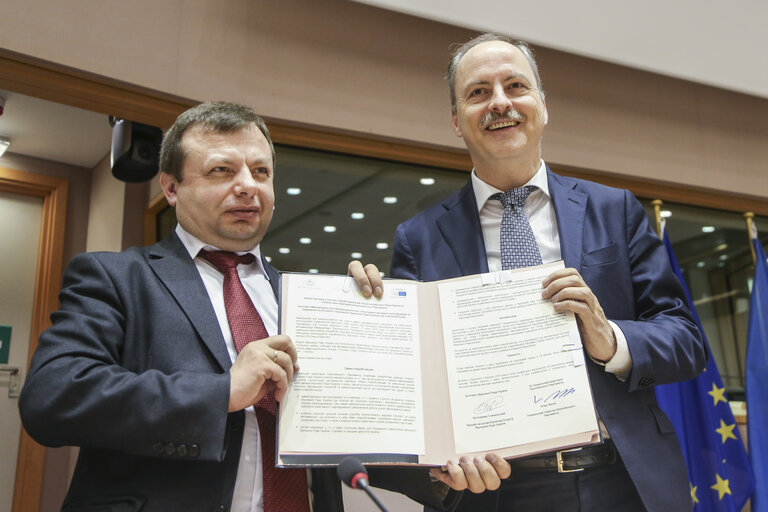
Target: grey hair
(461,50)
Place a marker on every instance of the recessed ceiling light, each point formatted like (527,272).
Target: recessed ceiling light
(329,229)
(313,271)
(701,264)
(268,258)
(284,250)
(665,214)
(382,245)
(427,181)
(357,215)
(4,144)
(293,191)
(707,229)
(723,257)
(305,240)
(356,255)
(390,200)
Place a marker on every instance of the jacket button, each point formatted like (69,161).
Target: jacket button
(220,508)
(181,450)
(194,451)
(170,449)
(158,448)
(646,381)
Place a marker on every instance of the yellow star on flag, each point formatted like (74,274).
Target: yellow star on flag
(717,393)
(722,487)
(726,431)
(693,493)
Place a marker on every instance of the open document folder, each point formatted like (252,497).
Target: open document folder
(431,371)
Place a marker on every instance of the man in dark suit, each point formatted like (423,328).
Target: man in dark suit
(634,326)
(142,368)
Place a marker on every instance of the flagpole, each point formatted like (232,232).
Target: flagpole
(657,211)
(748,217)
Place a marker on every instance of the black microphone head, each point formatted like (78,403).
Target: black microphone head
(350,471)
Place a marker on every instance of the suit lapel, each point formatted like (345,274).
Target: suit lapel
(460,227)
(171,263)
(570,207)
(273,275)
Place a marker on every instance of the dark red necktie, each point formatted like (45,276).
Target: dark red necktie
(285,490)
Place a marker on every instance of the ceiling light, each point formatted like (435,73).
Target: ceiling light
(701,264)
(356,255)
(305,240)
(665,214)
(707,229)
(382,245)
(329,229)
(4,143)
(268,258)
(382,274)
(390,200)
(293,191)
(723,257)
(284,250)
(427,181)
(313,271)
(357,215)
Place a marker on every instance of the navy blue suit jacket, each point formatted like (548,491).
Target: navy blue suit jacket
(605,235)
(134,371)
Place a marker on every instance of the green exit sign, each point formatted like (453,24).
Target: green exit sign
(5,343)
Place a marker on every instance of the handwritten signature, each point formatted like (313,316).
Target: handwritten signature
(489,405)
(560,393)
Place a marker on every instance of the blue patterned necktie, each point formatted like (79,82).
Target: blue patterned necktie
(518,245)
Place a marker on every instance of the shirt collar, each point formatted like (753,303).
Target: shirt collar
(483,190)
(194,245)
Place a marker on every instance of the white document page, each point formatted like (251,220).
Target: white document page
(359,387)
(517,365)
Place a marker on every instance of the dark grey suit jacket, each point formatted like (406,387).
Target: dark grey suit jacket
(134,371)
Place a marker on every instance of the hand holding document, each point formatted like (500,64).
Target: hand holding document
(431,371)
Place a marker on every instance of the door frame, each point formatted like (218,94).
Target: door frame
(53,191)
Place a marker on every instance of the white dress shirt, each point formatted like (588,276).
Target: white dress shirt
(540,211)
(248,496)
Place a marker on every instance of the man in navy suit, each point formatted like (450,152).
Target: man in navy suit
(139,368)
(634,326)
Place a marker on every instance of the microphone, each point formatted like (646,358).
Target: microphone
(352,472)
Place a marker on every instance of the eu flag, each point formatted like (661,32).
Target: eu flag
(718,467)
(757,378)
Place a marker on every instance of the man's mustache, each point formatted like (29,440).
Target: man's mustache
(510,115)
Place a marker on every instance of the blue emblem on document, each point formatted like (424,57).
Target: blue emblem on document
(401,293)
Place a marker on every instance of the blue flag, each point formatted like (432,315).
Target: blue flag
(718,467)
(757,378)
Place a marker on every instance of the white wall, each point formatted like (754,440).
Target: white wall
(705,41)
(105,214)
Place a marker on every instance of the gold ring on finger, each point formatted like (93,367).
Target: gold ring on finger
(274,357)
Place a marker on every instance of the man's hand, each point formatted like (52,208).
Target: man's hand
(368,278)
(569,292)
(478,474)
(262,366)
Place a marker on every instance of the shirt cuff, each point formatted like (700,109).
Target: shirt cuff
(621,363)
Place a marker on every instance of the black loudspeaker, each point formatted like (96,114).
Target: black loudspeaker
(135,150)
